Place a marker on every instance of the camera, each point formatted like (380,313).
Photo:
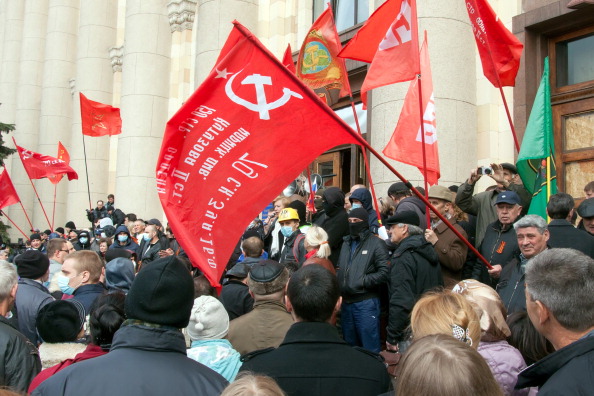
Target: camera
(484,170)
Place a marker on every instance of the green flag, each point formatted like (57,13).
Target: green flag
(536,161)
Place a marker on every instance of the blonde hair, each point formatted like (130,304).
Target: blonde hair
(284,200)
(440,365)
(442,313)
(87,260)
(317,238)
(249,384)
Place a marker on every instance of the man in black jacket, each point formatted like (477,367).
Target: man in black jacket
(334,220)
(312,359)
(18,356)
(148,353)
(362,269)
(414,270)
(560,303)
(563,234)
(150,246)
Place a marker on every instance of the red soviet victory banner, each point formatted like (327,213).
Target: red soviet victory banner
(288,59)
(8,195)
(318,64)
(406,142)
(99,119)
(39,166)
(499,49)
(64,156)
(243,136)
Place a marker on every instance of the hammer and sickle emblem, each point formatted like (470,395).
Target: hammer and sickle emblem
(262,106)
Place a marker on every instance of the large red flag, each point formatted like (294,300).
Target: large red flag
(406,143)
(64,156)
(99,119)
(8,195)
(396,58)
(499,49)
(39,166)
(288,59)
(246,132)
(318,64)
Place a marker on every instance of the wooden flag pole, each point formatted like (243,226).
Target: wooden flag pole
(54,210)
(13,223)
(26,215)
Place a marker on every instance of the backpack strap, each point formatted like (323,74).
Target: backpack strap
(298,239)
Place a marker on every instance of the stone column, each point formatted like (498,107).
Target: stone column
(144,103)
(214,25)
(452,55)
(55,120)
(13,20)
(94,78)
(29,108)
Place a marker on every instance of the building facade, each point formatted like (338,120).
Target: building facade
(148,56)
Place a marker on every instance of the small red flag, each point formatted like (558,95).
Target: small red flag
(99,119)
(288,59)
(406,143)
(8,195)
(215,166)
(318,64)
(499,49)
(396,49)
(64,156)
(39,166)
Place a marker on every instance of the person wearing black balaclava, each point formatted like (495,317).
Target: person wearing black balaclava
(334,220)
(362,269)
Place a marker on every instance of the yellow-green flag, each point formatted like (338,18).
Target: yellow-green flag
(536,161)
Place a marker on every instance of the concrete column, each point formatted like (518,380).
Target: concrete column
(214,25)
(55,120)
(29,108)
(452,55)
(94,78)
(144,103)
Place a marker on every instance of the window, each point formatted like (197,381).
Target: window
(575,60)
(347,13)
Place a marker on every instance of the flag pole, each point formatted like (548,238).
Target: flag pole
(87,172)
(34,189)
(26,215)
(420,88)
(54,210)
(312,194)
(17,227)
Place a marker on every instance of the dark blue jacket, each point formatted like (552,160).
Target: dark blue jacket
(363,195)
(87,294)
(130,244)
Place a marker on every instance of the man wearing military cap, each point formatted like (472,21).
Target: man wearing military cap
(267,324)
(449,248)
(415,269)
(586,211)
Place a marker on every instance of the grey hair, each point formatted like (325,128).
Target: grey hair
(8,278)
(531,221)
(412,229)
(563,281)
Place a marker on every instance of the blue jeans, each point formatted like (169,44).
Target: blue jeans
(360,323)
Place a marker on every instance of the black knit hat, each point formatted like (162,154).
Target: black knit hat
(404,217)
(359,213)
(70,225)
(35,236)
(32,264)
(162,293)
(61,321)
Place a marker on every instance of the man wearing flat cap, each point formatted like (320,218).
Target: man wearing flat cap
(481,205)
(586,211)
(267,324)
(235,295)
(32,295)
(415,270)
(148,352)
(449,248)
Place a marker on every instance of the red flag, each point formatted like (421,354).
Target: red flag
(406,142)
(288,59)
(8,195)
(499,49)
(39,166)
(318,64)
(99,119)
(64,156)
(246,132)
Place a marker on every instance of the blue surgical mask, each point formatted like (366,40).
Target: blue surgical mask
(286,231)
(356,206)
(46,284)
(147,237)
(64,286)
(83,240)
(123,238)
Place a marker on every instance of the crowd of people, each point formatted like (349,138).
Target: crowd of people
(330,297)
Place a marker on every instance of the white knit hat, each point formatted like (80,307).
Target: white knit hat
(209,319)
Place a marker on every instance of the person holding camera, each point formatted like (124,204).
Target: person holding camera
(482,205)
